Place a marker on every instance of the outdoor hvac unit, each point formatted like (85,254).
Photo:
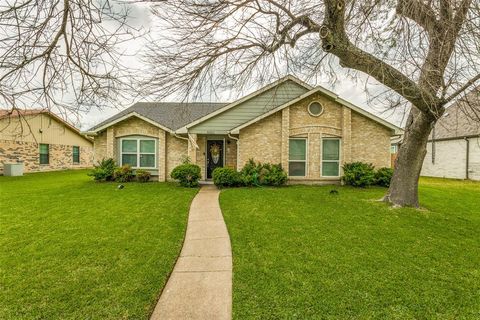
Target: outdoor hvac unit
(13,169)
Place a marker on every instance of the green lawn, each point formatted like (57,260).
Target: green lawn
(302,253)
(74,249)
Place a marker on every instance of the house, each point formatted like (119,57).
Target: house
(42,141)
(310,131)
(453,149)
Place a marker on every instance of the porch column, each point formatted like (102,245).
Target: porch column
(347,135)
(285,137)
(192,150)
(161,163)
(110,142)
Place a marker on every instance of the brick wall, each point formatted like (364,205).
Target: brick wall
(61,156)
(362,139)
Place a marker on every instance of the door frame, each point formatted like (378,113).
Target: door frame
(206,154)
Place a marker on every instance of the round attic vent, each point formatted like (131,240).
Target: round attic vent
(315,108)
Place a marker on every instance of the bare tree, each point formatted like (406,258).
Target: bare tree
(63,54)
(426,52)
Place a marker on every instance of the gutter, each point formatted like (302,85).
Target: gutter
(467,158)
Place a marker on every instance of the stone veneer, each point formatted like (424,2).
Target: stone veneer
(61,156)
(362,139)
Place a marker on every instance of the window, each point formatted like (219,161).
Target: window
(315,108)
(297,158)
(76,154)
(44,154)
(138,153)
(393,148)
(331,157)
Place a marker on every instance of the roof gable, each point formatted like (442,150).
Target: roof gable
(251,106)
(330,95)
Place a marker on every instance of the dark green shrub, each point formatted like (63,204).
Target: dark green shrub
(383,176)
(104,170)
(226,177)
(274,175)
(256,174)
(187,174)
(142,175)
(250,173)
(124,174)
(358,174)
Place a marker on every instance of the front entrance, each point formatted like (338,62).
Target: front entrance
(215,157)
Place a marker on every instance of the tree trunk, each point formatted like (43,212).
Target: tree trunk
(403,189)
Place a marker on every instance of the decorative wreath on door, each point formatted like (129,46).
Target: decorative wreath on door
(215,153)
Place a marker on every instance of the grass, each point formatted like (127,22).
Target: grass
(301,253)
(74,249)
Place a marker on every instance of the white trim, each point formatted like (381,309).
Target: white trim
(185,128)
(321,106)
(129,115)
(206,154)
(138,153)
(304,161)
(339,156)
(336,98)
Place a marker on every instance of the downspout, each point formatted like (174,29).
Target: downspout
(467,158)
(238,145)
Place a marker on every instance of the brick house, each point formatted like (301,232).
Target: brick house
(310,131)
(42,141)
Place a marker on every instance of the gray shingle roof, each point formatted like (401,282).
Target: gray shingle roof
(172,115)
(461,119)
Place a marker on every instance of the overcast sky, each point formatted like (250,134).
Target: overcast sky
(141,17)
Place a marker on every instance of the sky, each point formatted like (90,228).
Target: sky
(141,16)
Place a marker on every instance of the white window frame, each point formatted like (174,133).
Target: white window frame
(138,153)
(321,105)
(339,157)
(304,161)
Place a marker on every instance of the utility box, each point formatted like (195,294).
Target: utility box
(13,169)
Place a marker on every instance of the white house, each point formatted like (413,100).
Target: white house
(453,150)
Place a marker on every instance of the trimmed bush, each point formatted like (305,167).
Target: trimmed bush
(226,177)
(273,175)
(124,174)
(359,174)
(256,174)
(104,170)
(383,176)
(250,173)
(142,175)
(187,174)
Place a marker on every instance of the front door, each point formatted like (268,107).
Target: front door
(214,156)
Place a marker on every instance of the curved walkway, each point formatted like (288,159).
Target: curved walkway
(200,286)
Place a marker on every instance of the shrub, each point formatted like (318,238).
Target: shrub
(187,174)
(226,177)
(142,175)
(383,177)
(124,174)
(255,174)
(275,175)
(250,173)
(104,170)
(358,174)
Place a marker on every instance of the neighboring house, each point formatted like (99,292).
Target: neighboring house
(453,150)
(42,141)
(310,131)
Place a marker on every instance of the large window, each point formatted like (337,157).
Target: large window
(138,152)
(76,154)
(297,158)
(331,157)
(44,154)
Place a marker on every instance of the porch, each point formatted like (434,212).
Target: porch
(212,151)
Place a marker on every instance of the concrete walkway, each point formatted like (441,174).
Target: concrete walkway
(200,286)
